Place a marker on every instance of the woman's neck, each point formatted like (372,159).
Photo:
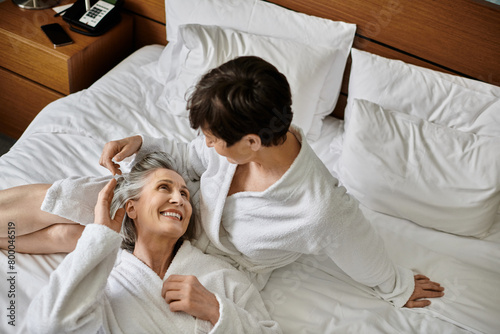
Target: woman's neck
(278,159)
(266,167)
(156,255)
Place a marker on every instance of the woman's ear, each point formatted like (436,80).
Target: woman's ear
(254,142)
(130,209)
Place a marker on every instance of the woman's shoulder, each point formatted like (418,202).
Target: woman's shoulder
(308,169)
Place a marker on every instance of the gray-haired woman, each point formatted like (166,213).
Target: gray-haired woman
(158,282)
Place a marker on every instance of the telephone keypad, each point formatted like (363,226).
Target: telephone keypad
(96,13)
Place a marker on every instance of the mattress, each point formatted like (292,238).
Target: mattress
(311,295)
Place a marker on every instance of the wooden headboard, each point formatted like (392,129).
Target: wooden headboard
(454,36)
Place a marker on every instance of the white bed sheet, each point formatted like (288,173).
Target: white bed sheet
(311,295)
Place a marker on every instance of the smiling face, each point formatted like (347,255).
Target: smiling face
(163,209)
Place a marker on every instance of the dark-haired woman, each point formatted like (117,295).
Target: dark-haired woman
(265,198)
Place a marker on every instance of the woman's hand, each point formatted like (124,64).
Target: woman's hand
(424,288)
(101,211)
(118,150)
(187,294)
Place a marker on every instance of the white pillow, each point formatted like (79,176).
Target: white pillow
(410,168)
(267,19)
(441,98)
(206,47)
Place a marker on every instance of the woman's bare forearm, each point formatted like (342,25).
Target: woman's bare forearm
(57,238)
(21,206)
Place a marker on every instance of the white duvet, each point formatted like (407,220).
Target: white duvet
(310,295)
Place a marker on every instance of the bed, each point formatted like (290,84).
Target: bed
(391,99)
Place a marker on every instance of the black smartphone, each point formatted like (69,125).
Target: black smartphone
(56,34)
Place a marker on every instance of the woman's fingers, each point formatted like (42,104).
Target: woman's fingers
(103,205)
(431,286)
(105,196)
(417,303)
(108,190)
(113,151)
(117,150)
(119,215)
(108,152)
(129,147)
(171,286)
(424,288)
(187,294)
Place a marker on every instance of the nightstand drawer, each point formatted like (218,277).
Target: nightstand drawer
(21,100)
(22,56)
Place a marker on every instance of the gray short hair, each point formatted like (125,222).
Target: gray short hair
(129,187)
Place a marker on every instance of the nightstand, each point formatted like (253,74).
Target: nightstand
(33,73)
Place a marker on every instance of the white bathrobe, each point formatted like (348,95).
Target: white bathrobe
(99,288)
(304,212)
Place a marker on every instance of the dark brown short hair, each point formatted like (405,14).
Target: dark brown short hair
(246,95)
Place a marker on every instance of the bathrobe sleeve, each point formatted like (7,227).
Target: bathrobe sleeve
(74,300)
(360,252)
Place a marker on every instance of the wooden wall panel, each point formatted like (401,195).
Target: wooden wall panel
(149,21)
(152,9)
(459,35)
(148,32)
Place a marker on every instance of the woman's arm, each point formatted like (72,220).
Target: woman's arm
(72,302)
(360,252)
(188,157)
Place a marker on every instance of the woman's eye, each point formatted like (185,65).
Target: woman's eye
(164,186)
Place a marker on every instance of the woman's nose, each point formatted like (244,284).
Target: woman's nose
(176,198)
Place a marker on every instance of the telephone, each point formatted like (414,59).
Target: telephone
(102,15)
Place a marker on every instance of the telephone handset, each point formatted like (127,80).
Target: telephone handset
(102,15)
